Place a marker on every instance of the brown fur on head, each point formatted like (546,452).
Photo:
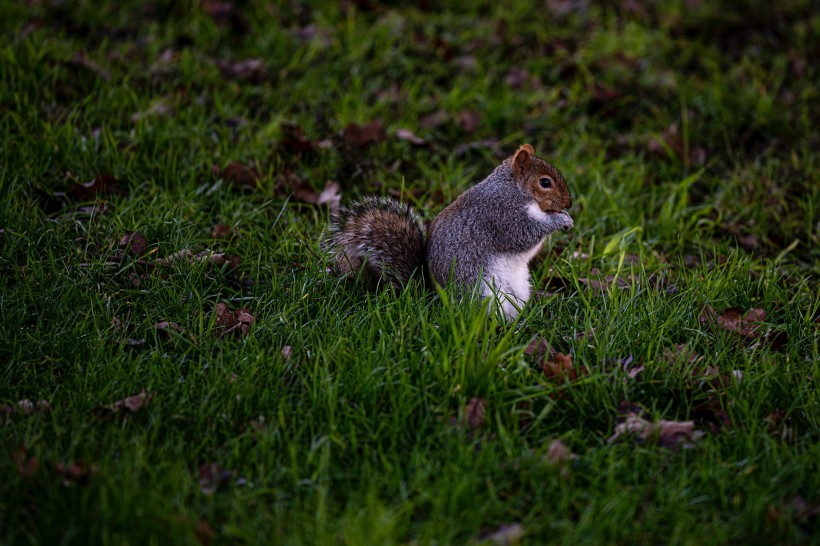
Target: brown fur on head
(540,179)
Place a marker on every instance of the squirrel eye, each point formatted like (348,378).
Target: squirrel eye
(545,182)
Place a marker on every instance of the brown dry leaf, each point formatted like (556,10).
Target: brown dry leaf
(240,176)
(252,70)
(28,407)
(204,533)
(26,466)
(679,352)
(409,136)
(102,183)
(519,77)
(668,434)
(160,109)
(232,323)
(779,425)
(293,138)
(431,121)
(94,209)
(561,368)
(77,473)
(628,366)
(506,535)
(287,352)
(7,411)
(80,60)
(475,412)
(131,404)
(469,120)
(489,143)
(732,320)
(540,351)
(213,476)
(558,454)
(134,243)
(671,140)
(331,194)
(359,136)
(163,63)
(216,259)
(223,233)
(168,330)
(711,413)
(225,15)
(554,283)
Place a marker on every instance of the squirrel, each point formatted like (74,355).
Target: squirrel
(483,241)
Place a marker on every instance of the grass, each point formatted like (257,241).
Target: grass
(686,133)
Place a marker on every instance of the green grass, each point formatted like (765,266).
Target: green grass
(359,437)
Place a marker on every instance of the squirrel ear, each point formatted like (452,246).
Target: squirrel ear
(522,160)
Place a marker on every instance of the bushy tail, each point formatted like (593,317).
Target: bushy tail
(379,236)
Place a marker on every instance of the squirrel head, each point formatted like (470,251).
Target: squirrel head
(541,180)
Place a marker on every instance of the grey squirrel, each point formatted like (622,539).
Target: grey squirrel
(483,240)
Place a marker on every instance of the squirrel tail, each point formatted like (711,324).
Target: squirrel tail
(379,236)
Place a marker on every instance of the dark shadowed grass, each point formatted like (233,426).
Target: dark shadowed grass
(686,133)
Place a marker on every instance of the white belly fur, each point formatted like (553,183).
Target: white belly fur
(509,277)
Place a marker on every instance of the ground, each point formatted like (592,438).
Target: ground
(180,366)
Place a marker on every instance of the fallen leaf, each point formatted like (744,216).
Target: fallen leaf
(553,283)
(28,407)
(519,77)
(26,465)
(540,351)
(293,138)
(561,368)
(160,109)
(558,454)
(627,365)
(475,412)
(493,145)
(247,69)
(204,533)
(668,434)
(131,404)
(778,425)
(213,476)
(134,243)
(225,15)
(506,535)
(679,353)
(409,136)
(80,60)
(287,352)
(711,413)
(732,320)
(102,183)
(670,144)
(431,121)
(227,322)
(216,259)
(312,32)
(223,233)
(168,330)
(469,120)
(330,195)
(240,176)
(95,209)
(163,63)
(76,473)
(359,136)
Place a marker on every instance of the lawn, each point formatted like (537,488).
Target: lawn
(180,366)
